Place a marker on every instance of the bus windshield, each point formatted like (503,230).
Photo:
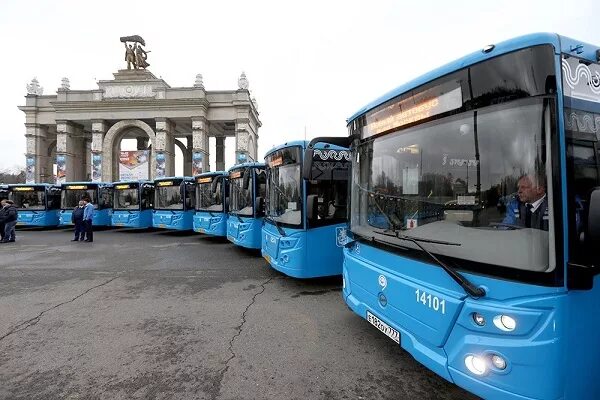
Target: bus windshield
(241,199)
(127,199)
(458,179)
(207,199)
(169,197)
(284,193)
(29,200)
(70,198)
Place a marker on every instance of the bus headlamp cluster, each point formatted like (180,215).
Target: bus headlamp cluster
(479,365)
(503,322)
(476,364)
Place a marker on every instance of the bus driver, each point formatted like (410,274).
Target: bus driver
(530,208)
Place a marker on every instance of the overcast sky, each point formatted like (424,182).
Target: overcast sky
(310,64)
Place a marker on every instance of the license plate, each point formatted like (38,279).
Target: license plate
(161,226)
(268,258)
(383,327)
(20,223)
(201,230)
(231,238)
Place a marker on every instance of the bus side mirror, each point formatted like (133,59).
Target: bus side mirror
(259,205)
(246,179)
(214,184)
(594,216)
(307,163)
(312,207)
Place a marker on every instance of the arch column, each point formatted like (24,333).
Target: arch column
(98,130)
(36,156)
(113,135)
(164,148)
(220,153)
(200,153)
(70,152)
(242,142)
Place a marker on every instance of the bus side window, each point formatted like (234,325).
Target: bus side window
(583,159)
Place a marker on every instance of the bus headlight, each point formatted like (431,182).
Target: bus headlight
(505,323)
(498,362)
(476,364)
(478,319)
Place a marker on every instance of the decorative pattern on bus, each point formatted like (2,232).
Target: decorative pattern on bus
(581,81)
(582,121)
(331,155)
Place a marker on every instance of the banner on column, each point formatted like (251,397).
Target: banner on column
(133,165)
(30,169)
(61,168)
(96,167)
(197,158)
(161,162)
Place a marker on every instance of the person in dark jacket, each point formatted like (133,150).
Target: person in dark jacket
(77,220)
(10,221)
(3,210)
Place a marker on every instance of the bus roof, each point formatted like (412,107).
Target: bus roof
(247,165)
(133,181)
(168,178)
(211,173)
(561,44)
(30,185)
(87,183)
(303,144)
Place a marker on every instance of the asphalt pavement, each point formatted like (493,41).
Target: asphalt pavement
(162,315)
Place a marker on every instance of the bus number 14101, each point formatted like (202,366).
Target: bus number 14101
(430,301)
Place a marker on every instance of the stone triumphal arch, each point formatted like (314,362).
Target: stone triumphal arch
(80,131)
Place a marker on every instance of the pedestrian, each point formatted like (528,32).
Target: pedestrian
(88,216)
(10,221)
(77,220)
(3,210)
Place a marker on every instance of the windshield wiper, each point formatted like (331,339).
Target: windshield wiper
(471,289)
(279,228)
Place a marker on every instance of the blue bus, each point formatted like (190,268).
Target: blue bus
(37,204)
(474,219)
(174,203)
(100,193)
(212,189)
(247,191)
(133,204)
(305,217)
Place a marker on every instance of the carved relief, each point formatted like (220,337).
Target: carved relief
(61,128)
(161,125)
(97,96)
(61,143)
(242,141)
(200,140)
(198,124)
(128,91)
(161,140)
(97,127)
(97,141)
(31,145)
